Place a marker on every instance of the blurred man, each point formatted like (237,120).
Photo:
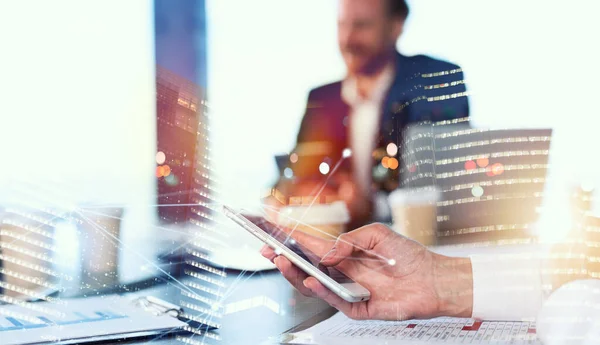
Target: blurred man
(366,112)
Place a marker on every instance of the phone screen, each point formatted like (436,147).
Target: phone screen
(282,237)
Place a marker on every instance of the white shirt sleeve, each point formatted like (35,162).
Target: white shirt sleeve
(571,315)
(507,286)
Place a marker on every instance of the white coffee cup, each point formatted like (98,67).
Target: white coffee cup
(100,248)
(322,220)
(414,213)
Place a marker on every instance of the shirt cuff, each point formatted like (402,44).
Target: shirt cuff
(506,286)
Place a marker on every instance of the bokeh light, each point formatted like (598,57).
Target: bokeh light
(470,165)
(288,173)
(160,157)
(324,168)
(172,180)
(294,157)
(160,171)
(498,169)
(392,149)
(483,162)
(385,162)
(477,191)
(393,163)
(166,170)
(346,153)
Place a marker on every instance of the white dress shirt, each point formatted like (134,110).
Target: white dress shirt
(507,286)
(507,280)
(365,113)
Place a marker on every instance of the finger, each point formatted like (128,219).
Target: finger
(317,245)
(319,290)
(268,252)
(293,274)
(363,239)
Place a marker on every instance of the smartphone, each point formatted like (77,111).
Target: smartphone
(300,256)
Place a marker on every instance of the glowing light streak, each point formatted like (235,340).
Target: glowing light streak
(205,278)
(478,229)
(28,228)
(30,279)
(27,252)
(204,300)
(33,266)
(189,341)
(444,85)
(201,320)
(506,168)
(438,74)
(200,309)
(207,268)
(255,302)
(491,197)
(28,292)
(447,97)
(31,306)
(195,331)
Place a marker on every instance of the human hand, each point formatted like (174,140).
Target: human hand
(405,279)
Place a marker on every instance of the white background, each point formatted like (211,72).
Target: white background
(527,63)
(77,97)
(77,100)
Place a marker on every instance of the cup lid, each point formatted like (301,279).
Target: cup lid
(318,214)
(414,196)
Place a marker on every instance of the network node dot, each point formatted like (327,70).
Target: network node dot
(346,153)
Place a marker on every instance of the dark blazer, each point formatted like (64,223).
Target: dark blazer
(424,89)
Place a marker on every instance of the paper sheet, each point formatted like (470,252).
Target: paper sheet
(38,323)
(339,329)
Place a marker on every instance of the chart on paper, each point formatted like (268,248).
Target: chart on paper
(79,320)
(339,329)
(440,330)
(8,323)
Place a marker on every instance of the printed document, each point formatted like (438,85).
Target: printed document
(340,329)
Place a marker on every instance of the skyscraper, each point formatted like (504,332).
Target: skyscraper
(182,148)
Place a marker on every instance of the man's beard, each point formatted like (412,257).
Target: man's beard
(366,64)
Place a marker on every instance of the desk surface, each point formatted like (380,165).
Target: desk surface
(282,308)
(258,307)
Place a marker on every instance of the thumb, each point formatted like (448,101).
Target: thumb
(364,239)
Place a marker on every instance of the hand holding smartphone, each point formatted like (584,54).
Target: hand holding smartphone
(299,255)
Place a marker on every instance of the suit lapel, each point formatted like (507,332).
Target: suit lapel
(390,124)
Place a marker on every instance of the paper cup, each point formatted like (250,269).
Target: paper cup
(324,221)
(414,213)
(100,249)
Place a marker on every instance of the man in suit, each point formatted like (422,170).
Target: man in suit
(365,113)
